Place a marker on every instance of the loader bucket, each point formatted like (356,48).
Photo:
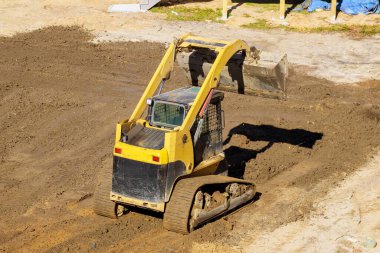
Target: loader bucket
(264,74)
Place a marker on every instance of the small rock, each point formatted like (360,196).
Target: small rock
(93,245)
(369,243)
(229,226)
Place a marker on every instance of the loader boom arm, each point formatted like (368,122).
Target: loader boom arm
(225,49)
(162,72)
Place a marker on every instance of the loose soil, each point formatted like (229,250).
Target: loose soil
(351,60)
(342,221)
(61,96)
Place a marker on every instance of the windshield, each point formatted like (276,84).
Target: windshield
(167,114)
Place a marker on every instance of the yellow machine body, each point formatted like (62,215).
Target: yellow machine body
(168,156)
(178,143)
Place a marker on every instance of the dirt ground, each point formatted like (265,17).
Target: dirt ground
(349,61)
(345,220)
(60,98)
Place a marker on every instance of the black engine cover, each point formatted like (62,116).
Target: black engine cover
(139,180)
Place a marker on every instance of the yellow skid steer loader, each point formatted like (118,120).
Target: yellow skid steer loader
(168,156)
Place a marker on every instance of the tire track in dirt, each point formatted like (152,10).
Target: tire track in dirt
(61,96)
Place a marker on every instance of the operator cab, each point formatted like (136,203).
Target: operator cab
(168,110)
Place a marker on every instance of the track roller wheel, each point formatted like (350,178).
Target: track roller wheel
(195,201)
(102,204)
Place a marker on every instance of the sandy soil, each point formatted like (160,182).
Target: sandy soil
(343,221)
(60,97)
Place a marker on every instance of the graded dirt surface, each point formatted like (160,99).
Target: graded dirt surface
(333,56)
(345,220)
(60,99)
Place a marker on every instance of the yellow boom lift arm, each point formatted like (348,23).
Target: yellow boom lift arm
(225,50)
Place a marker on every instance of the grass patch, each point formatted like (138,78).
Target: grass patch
(260,24)
(354,30)
(305,12)
(178,13)
(267,6)
(368,30)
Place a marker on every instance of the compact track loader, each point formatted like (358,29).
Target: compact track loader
(168,156)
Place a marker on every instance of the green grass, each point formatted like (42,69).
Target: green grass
(354,30)
(267,6)
(205,14)
(305,12)
(188,14)
(260,24)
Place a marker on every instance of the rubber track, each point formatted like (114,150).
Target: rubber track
(177,213)
(102,204)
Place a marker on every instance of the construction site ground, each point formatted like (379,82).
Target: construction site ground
(314,156)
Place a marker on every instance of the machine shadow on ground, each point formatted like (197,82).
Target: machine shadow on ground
(237,157)
(145,212)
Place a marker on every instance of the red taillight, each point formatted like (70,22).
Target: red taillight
(156,158)
(118,150)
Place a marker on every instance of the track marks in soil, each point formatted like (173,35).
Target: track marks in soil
(60,97)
